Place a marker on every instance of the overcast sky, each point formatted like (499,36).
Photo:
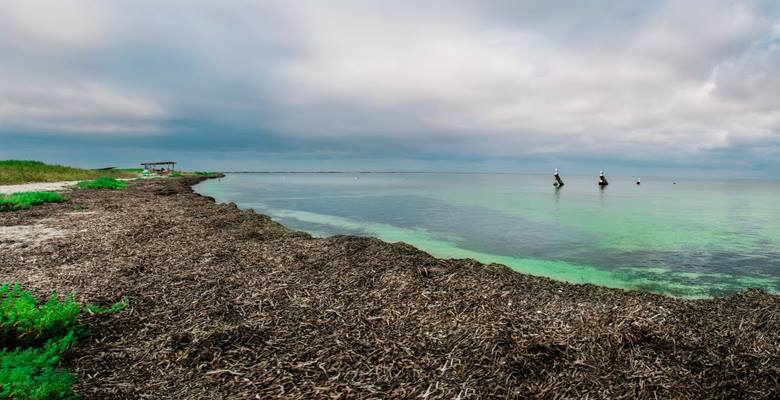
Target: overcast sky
(676,87)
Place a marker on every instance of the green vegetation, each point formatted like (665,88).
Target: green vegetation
(114,308)
(202,173)
(18,171)
(24,321)
(33,338)
(102,183)
(22,200)
(175,175)
(32,373)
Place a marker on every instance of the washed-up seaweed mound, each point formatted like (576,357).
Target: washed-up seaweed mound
(226,303)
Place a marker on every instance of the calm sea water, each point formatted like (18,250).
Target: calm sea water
(693,239)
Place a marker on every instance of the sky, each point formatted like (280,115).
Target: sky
(688,88)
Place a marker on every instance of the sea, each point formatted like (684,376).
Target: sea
(686,238)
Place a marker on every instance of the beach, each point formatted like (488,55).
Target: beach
(36,187)
(226,303)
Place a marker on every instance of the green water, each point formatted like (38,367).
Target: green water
(690,239)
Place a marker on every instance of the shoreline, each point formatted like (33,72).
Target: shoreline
(226,303)
(630,248)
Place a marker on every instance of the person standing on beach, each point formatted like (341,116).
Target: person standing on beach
(557,181)
(602,179)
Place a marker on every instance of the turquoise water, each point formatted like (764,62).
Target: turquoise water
(691,239)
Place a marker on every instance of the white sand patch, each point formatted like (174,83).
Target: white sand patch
(37,187)
(44,186)
(27,235)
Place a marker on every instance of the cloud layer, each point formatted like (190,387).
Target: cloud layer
(691,84)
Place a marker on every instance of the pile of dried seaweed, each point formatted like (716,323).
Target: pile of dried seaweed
(226,303)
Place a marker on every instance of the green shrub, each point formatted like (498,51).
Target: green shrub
(32,373)
(202,173)
(103,183)
(22,200)
(175,175)
(34,337)
(20,171)
(23,321)
(114,308)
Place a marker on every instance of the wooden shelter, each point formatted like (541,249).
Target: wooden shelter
(160,167)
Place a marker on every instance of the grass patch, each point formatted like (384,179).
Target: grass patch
(176,175)
(102,183)
(23,321)
(114,308)
(33,373)
(34,336)
(23,200)
(19,171)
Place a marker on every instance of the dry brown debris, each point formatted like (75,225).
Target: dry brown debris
(226,303)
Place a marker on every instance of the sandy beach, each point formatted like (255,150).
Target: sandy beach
(42,186)
(37,187)
(226,303)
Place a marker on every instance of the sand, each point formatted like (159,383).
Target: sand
(37,187)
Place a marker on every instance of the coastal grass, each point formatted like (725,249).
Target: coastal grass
(34,336)
(24,200)
(114,308)
(23,320)
(103,183)
(21,171)
(33,373)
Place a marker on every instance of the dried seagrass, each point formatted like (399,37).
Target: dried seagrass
(226,303)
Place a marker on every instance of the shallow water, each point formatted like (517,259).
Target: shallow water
(695,238)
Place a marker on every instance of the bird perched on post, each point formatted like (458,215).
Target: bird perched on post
(557,181)
(602,179)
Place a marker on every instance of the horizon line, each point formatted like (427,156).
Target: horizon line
(494,173)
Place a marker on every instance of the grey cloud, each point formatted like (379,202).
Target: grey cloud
(664,81)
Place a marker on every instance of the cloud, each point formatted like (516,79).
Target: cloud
(50,24)
(86,108)
(508,83)
(666,82)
